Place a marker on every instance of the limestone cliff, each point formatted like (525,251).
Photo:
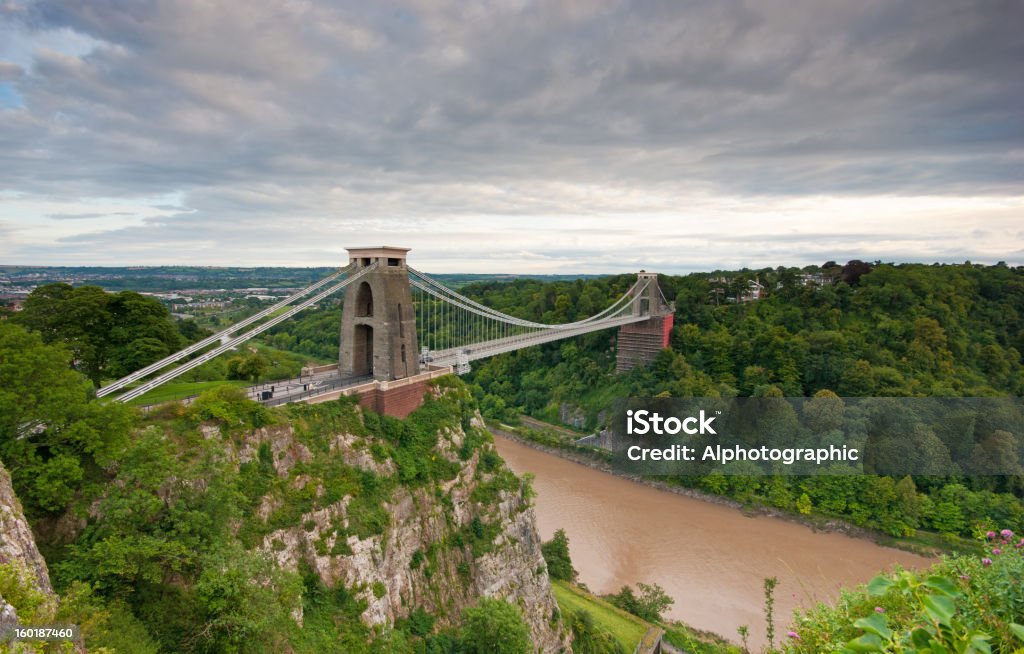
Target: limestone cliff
(433,546)
(19,556)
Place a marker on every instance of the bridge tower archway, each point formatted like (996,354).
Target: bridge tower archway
(362,354)
(364,301)
(378,331)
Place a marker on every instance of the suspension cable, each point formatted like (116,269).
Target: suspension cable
(195,347)
(445,294)
(238,340)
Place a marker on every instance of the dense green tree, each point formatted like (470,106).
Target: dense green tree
(650,604)
(52,438)
(824,412)
(908,504)
(556,555)
(997,454)
(109,335)
(191,331)
(495,626)
(314,332)
(250,366)
(245,599)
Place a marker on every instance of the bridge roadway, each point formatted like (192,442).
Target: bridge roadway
(483,349)
(283,391)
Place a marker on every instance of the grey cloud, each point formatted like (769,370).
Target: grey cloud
(86,216)
(9,71)
(270,112)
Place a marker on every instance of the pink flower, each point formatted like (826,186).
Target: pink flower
(1006,533)
(997,551)
(990,535)
(794,635)
(986,561)
(879,609)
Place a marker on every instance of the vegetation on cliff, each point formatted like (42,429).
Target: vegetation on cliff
(225,526)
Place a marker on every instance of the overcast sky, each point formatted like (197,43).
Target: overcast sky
(510,135)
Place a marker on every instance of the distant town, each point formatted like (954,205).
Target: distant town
(194,291)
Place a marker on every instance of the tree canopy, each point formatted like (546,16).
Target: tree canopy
(108,334)
(556,556)
(52,438)
(494,626)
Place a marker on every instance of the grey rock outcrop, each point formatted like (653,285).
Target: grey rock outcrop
(18,548)
(423,558)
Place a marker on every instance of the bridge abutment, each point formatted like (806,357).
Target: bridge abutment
(638,343)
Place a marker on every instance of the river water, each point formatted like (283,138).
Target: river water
(711,559)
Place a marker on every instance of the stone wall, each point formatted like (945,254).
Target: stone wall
(397,401)
(396,398)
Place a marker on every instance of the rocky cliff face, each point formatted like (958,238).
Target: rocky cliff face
(440,546)
(18,552)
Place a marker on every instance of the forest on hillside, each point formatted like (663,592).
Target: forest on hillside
(875,330)
(898,330)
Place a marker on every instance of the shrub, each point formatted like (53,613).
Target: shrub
(556,555)
(589,638)
(649,605)
(231,408)
(18,588)
(420,623)
(417,560)
(966,603)
(494,626)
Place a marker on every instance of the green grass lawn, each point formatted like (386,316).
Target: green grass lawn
(625,627)
(299,357)
(172,392)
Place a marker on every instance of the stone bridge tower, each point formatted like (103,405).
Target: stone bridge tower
(640,342)
(378,323)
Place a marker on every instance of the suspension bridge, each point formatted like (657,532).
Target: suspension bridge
(400,328)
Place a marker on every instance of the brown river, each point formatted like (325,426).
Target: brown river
(711,559)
